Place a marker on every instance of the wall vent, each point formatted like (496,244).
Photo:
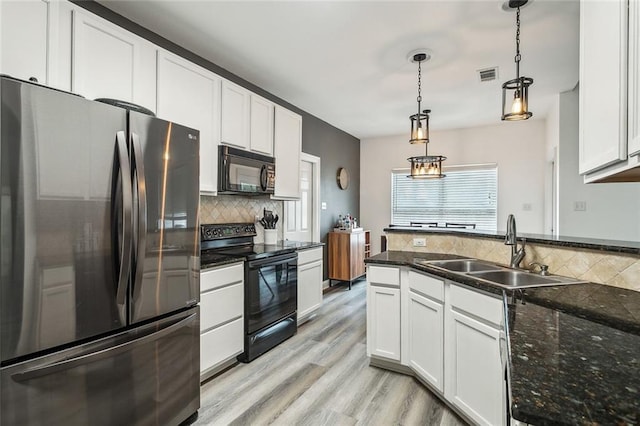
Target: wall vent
(488,74)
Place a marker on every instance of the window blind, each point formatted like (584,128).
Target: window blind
(468,195)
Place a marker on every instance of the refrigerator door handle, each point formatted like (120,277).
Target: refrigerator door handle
(140,239)
(122,174)
(110,352)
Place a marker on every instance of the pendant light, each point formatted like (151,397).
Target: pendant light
(424,166)
(515,93)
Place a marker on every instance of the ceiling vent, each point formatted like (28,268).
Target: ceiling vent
(488,74)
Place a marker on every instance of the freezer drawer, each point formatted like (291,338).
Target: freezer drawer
(146,376)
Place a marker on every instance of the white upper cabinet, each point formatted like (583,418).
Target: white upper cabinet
(190,95)
(609,91)
(235,115)
(110,62)
(24,40)
(287,148)
(261,129)
(634,79)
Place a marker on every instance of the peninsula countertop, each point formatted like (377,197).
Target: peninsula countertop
(574,350)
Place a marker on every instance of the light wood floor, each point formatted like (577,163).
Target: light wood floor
(321,376)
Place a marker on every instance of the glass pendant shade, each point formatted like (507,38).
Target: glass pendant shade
(426,166)
(420,127)
(515,99)
(515,93)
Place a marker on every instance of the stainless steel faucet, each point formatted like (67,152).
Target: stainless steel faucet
(511,239)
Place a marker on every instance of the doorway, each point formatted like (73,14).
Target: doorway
(302,217)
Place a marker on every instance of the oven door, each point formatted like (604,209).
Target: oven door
(271,290)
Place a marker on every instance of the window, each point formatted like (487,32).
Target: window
(467,195)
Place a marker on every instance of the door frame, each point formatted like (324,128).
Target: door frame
(315,207)
(315,221)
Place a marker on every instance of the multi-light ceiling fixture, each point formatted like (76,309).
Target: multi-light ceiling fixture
(519,101)
(423,166)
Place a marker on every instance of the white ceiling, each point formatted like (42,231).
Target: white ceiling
(346,61)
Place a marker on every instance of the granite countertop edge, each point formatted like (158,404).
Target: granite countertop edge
(614,246)
(222,262)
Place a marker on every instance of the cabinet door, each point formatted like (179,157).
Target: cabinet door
(190,95)
(235,115)
(474,372)
(261,129)
(309,288)
(603,84)
(110,62)
(426,339)
(287,148)
(634,78)
(24,39)
(221,344)
(383,322)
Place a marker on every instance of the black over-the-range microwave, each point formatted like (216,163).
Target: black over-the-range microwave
(244,172)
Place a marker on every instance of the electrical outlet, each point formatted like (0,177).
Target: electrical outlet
(324,205)
(580,206)
(419,242)
(526,207)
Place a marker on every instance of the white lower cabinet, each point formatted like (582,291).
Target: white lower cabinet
(309,283)
(221,317)
(383,312)
(452,335)
(474,373)
(426,339)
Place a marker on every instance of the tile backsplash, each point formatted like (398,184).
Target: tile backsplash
(615,269)
(236,208)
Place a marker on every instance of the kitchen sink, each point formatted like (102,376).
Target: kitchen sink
(464,265)
(516,279)
(498,275)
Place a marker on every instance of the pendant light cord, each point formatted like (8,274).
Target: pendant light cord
(518,57)
(419,85)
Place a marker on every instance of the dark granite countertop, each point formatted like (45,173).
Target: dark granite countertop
(575,349)
(219,261)
(413,259)
(301,245)
(629,247)
(575,356)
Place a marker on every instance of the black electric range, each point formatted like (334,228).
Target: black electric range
(270,283)
(220,242)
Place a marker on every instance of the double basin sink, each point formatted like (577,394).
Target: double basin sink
(499,275)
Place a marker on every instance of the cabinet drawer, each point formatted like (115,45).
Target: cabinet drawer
(426,285)
(478,304)
(219,277)
(221,344)
(221,305)
(383,275)
(310,255)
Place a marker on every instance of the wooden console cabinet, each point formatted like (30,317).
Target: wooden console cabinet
(347,251)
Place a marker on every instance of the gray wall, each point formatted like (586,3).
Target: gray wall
(335,147)
(611,208)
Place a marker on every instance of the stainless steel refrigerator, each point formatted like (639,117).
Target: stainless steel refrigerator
(99,261)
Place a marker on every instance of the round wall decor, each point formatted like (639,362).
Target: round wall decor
(343,178)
